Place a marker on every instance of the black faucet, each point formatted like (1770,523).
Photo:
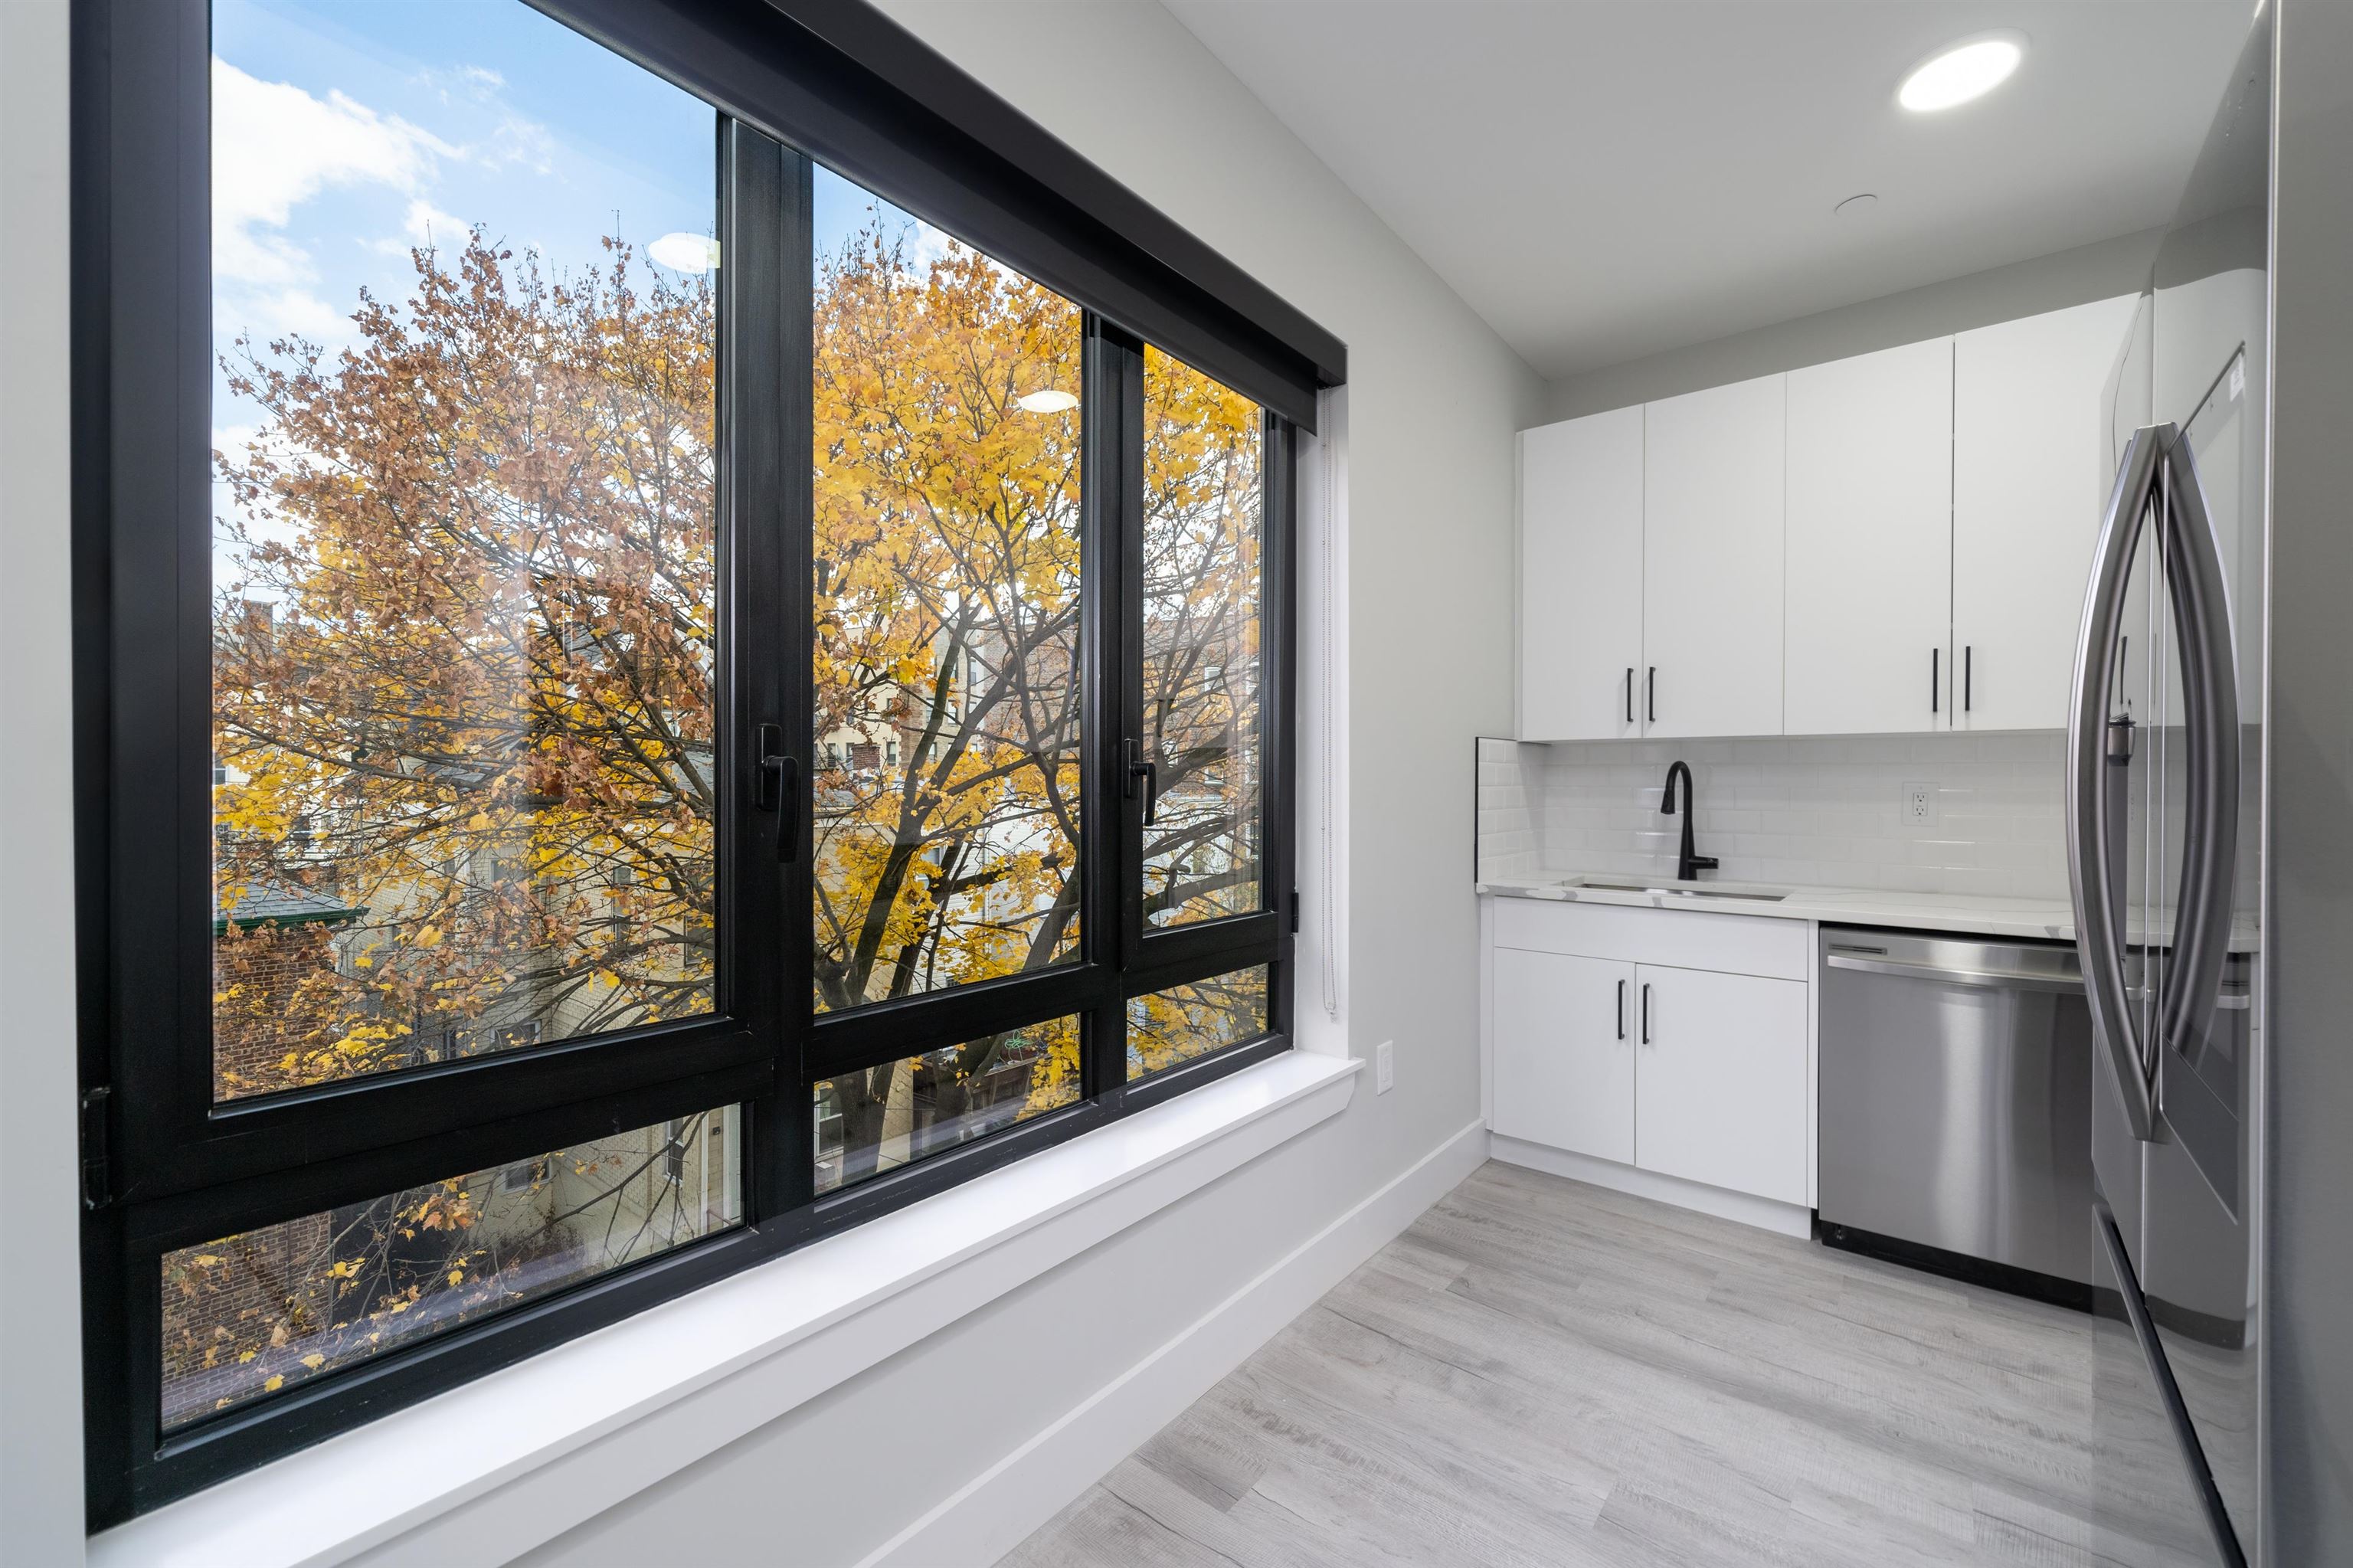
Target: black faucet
(1687,866)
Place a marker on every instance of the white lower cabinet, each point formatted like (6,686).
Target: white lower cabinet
(1720,1081)
(1568,1080)
(1626,1035)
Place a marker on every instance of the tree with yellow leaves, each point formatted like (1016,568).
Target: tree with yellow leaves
(464,677)
(463,685)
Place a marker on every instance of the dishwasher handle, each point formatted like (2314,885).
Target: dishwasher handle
(1989,979)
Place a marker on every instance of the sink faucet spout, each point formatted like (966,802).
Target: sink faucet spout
(1688,865)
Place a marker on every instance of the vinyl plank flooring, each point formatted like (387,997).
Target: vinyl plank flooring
(1542,1372)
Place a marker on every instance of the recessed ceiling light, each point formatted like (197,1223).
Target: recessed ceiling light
(1856,206)
(685,252)
(1046,402)
(1959,72)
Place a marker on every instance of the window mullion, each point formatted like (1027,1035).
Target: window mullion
(766,277)
(1116,488)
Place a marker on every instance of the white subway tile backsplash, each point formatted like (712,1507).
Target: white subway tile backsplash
(1825,811)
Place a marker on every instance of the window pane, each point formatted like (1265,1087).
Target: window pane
(464,638)
(1204,534)
(947,608)
(882,1117)
(249,1314)
(1166,1027)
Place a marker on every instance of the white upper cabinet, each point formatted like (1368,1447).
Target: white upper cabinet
(1870,530)
(2031,472)
(1712,481)
(1581,576)
(1894,543)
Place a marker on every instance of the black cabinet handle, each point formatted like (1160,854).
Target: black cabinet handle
(1651,695)
(1646,1012)
(1630,708)
(778,789)
(1936,677)
(1968,676)
(1621,991)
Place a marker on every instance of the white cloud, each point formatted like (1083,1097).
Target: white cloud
(518,143)
(428,225)
(240,444)
(926,245)
(275,146)
(478,82)
(303,313)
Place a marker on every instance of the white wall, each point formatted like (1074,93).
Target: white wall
(1434,398)
(2088,272)
(40,1323)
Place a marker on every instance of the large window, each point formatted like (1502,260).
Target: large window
(649,699)
(1204,572)
(466,615)
(946,590)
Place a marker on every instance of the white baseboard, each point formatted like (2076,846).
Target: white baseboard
(997,1509)
(1765,1213)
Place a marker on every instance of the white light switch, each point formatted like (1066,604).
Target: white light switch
(1385,1067)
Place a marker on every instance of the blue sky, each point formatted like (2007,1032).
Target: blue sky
(347,131)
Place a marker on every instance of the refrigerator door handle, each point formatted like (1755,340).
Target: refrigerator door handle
(2192,984)
(2091,871)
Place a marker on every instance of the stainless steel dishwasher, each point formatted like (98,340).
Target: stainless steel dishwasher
(1955,1106)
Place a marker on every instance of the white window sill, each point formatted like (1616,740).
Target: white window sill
(573,1430)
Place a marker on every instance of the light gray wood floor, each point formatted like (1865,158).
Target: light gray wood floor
(1542,1372)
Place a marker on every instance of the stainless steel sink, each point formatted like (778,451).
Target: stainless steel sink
(1598,885)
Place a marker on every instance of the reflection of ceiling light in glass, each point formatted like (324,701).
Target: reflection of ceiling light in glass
(1046,402)
(685,252)
(1970,69)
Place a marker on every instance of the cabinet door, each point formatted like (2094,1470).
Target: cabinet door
(1870,554)
(1712,473)
(1565,1052)
(2031,472)
(1720,1080)
(1581,576)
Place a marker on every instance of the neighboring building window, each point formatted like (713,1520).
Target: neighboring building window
(666,637)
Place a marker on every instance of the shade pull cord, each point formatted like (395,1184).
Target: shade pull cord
(1329,440)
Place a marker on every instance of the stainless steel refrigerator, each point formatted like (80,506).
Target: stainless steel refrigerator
(2165,792)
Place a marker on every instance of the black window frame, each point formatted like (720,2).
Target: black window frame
(791,83)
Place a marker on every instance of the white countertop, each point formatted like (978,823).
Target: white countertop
(2048,920)
(1975,913)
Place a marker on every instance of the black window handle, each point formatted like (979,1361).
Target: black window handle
(1936,677)
(779,788)
(1646,1012)
(1139,767)
(1622,984)
(1651,695)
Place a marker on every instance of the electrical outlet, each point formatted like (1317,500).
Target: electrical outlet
(1919,805)
(1385,1067)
